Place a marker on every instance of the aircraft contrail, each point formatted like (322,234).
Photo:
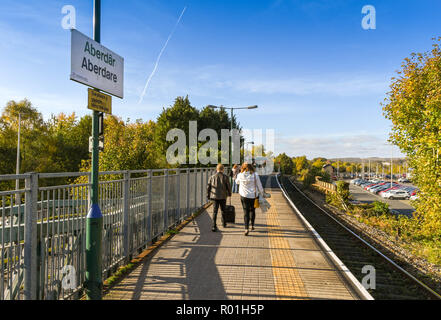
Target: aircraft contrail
(159,57)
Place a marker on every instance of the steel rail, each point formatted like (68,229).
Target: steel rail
(394,264)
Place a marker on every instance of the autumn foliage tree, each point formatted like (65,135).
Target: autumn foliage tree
(414,107)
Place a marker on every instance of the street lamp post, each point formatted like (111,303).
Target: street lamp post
(17,169)
(391,167)
(369,168)
(231,125)
(252,143)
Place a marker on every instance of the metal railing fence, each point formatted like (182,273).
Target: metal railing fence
(43,228)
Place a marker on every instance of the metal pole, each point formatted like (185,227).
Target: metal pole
(338,170)
(369,169)
(94,223)
(30,234)
(126,216)
(149,220)
(178,210)
(188,211)
(391,167)
(166,190)
(17,170)
(231,139)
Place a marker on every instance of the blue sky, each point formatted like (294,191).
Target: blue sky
(317,76)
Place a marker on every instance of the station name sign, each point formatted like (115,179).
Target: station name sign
(96,66)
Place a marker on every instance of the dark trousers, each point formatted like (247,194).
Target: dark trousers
(217,204)
(249,212)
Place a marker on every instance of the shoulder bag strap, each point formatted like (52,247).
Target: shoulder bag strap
(255,184)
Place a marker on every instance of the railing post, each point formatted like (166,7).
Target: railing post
(149,218)
(188,194)
(30,244)
(165,228)
(178,209)
(126,215)
(195,189)
(202,187)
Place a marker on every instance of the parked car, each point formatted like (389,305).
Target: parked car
(380,188)
(377,187)
(369,185)
(373,187)
(396,194)
(404,180)
(414,197)
(409,189)
(364,184)
(395,187)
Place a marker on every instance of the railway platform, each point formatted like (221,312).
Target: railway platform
(280,260)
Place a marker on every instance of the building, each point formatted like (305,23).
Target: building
(329,169)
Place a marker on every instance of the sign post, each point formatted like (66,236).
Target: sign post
(94,224)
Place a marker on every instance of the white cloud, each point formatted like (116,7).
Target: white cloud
(328,85)
(340,145)
(220,81)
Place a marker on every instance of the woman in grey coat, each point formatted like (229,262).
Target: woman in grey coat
(218,190)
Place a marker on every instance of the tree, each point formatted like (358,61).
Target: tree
(286,165)
(128,146)
(301,163)
(35,144)
(179,115)
(70,139)
(216,119)
(318,163)
(413,106)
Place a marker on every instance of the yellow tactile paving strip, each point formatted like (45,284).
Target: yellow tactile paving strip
(288,283)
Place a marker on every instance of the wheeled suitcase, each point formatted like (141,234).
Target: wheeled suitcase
(230,214)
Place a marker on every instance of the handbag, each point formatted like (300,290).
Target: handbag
(256,201)
(264,204)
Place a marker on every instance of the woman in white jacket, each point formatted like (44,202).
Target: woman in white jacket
(249,189)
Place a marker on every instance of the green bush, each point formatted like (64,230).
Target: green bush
(343,191)
(380,208)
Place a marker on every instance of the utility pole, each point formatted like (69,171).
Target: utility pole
(231,143)
(94,221)
(362,170)
(231,127)
(17,169)
(391,167)
(338,169)
(369,168)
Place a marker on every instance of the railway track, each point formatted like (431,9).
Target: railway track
(392,281)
